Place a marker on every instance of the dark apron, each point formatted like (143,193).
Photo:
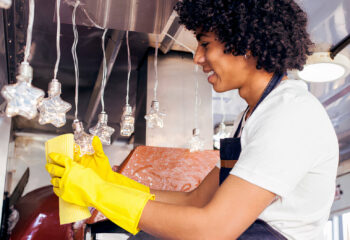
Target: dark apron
(230,149)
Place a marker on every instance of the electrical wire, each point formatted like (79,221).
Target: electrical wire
(197,96)
(90,19)
(180,43)
(29,30)
(58,33)
(156,68)
(75,57)
(104,71)
(129,68)
(197,100)
(72,3)
(222,108)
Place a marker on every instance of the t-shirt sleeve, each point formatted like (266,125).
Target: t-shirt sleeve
(279,144)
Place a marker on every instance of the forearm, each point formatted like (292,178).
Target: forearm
(194,198)
(169,221)
(235,206)
(198,197)
(179,198)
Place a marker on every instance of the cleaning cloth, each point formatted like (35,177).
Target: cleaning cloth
(68,212)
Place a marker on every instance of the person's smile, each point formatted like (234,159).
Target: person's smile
(211,75)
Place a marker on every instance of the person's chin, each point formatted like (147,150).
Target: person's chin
(217,88)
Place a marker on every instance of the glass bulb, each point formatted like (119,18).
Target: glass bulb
(128,122)
(155,118)
(22,98)
(5,4)
(53,109)
(221,133)
(102,130)
(196,143)
(83,140)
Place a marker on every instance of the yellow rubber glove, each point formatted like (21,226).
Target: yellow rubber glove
(82,186)
(100,164)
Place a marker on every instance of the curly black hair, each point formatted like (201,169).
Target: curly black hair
(274,31)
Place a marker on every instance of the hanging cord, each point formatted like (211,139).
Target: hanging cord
(90,19)
(29,30)
(180,43)
(197,97)
(222,108)
(129,68)
(156,68)
(104,72)
(58,36)
(197,100)
(72,3)
(75,57)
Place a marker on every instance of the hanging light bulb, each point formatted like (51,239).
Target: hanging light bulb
(221,130)
(102,130)
(53,109)
(83,140)
(220,134)
(155,118)
(22,98)
(196,143)
(128,121)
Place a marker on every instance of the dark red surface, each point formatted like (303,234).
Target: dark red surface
(39,217)
(161,168)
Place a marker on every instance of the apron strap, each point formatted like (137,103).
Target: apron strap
(275,80)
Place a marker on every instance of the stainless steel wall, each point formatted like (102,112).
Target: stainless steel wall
(5,123)
(5,128)
(149,16)
(3,65)
(176,95)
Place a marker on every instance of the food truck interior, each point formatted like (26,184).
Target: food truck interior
(28,207)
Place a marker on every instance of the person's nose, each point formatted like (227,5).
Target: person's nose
(199,57)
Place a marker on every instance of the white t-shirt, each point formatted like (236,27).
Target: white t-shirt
(290,148)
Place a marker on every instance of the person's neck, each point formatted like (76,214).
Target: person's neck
(254,87)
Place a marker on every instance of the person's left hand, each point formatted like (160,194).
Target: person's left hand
(71,181)
(80,185)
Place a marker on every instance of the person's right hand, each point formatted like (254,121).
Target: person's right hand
(98,161)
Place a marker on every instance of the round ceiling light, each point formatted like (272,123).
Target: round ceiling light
(321,68)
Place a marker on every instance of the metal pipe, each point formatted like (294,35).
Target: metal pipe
(174,30)
(339,46)
(344,91)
